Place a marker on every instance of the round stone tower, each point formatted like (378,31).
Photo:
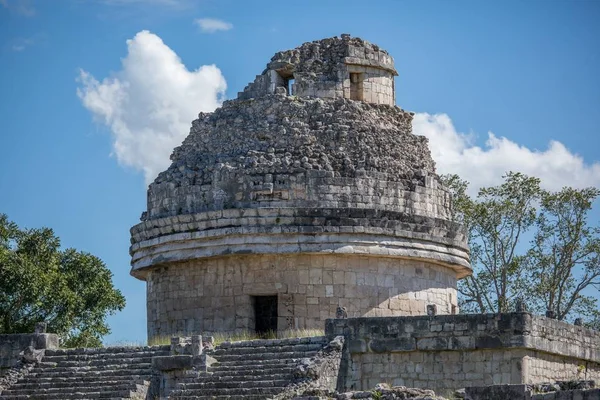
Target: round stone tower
(307,193)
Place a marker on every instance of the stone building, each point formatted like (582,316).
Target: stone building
(292,200)
(307,193)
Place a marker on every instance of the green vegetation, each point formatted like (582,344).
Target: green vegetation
(530,243)
(221,337)
(71,291)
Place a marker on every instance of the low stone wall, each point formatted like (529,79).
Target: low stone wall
(11,345)
(527,392)
(448,352)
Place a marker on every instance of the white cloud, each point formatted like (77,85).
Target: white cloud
(212,25)
(149,104)
(455,152)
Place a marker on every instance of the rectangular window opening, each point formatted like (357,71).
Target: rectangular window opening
(265,314)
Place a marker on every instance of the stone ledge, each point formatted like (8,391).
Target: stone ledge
(389,67)
(323,217)
(175,248)
(467,332)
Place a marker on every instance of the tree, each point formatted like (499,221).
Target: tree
(552,271)
(496,221)
(69,290)
(564,259)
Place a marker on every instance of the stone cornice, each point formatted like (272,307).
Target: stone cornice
(291,230)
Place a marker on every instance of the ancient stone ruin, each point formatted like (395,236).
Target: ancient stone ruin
(307,202)
(298,198)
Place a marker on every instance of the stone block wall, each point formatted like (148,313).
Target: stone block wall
(542,367)
(440,371)
(252,189)
(448,352)
(11,345)
(214,294)
(377,85)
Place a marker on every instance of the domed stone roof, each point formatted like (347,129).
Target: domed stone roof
(327,153)
(246,153)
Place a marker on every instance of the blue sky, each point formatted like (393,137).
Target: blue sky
(79,162)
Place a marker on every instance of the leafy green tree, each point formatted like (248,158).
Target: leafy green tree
(69,290)
(496,221)
(564,259)
(553,271)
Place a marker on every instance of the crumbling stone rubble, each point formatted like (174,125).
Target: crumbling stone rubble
(381,392)
(244,144)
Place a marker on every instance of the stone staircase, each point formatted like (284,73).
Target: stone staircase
(102,373)
(249,370)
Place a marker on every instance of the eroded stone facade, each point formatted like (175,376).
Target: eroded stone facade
(345,67)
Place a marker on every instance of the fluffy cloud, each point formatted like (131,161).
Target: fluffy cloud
(456,152)
(149,104)
(212,25)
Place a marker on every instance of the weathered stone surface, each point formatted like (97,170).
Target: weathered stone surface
(330,173)
(531,392)
(379,392)
(498,392)
(323,69)
(261,369)
(13,345)
(209,295)
(167,363)
(114,372)
(447,352)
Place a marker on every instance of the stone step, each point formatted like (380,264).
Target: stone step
(46,383)
(108,395)
(103,356)
(270,365)
(106,373)
(85,373)
(263,391)
(105,350)
(98,362)
(268,349)
(273,342)
(235,358)
(96,387)
(216,397)
(241,376)
(246,384)
(61,371)
(246,362)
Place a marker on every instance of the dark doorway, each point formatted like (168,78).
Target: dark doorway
(265,314)
(356,86)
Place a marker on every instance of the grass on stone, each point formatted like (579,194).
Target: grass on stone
(239,336)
